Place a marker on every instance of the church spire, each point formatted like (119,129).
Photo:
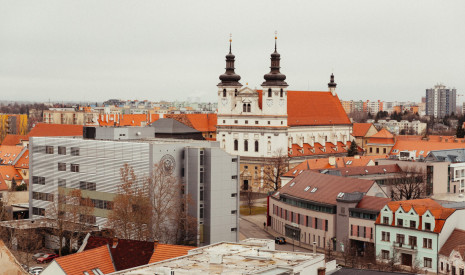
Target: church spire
(332,85)
(230,78)
(275,77)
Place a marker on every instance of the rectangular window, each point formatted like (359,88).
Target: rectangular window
(61,150)
(233,212)
(412,240)
(233,229)
(61,166)
(400,222)
(201,211)
(201,157)
(49,149)
(413,224)
(38,180)
(201,175)
(74,167)
(38,211)
(428,262)
(386,220)
(385,254)
(326,225)
(85,185)
(427,226)
(427,243)
(233,195)
(400,238)
(74,151)
(201,193)
(256,122)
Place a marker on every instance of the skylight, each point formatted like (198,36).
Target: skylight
(292,184)
(306,188)
(340,195)
(421,152)
(301,172)
(349,162)
(314,190)
(295,171)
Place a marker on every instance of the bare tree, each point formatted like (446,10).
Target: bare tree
(409,185)
(131,213)
(249,199)
(28,242)
(274,168)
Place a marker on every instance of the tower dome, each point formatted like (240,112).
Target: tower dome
(275,77)
(230,78)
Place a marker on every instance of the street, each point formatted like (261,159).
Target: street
(251,230)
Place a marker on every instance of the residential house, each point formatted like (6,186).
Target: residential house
(380,143)
(411,233)
(306,209)
(417,147)
(361,132)
(452,254)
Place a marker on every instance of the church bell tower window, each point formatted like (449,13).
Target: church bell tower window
(281,93)
(269,92)
(224,92)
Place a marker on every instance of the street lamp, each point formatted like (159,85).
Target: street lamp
(293,240)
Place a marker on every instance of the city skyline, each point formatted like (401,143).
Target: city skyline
(93,51)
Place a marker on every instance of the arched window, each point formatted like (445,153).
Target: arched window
(224,92)
(224,144)
(269,92)
(256,146)
(281,93)
(246,145)
(236,145)
(248,108)
(244,107)
(235,92)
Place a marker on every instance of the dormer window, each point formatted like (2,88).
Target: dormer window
(269,92)
(224,92)
(385,220)
(427,226)
(281,93)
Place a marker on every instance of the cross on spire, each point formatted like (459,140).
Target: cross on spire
(275,39)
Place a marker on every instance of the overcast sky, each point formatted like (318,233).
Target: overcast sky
(93,50)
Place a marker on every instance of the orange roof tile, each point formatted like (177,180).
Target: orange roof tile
(360,129)
(383,133)
(9,153)
(3,185)
(456,241)
(420,206)
(423,147)
(8,172)
(323,163)
(55,130)
(313,108)
(13,139)
(200,122)
(23,161)
(77,263)
(168,251)
(372,203)
(127,120)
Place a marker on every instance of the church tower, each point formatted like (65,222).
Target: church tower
(274,96)
(229,85)
(332,85)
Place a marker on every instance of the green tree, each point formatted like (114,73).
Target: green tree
(353,149)
(460,131)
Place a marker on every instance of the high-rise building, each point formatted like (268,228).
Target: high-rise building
(208,173)
(440,101)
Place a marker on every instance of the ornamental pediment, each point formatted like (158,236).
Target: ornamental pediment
(246,91)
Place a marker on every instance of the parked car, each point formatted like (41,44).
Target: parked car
(38,255)
(46,258)
(36,270)
(280,240)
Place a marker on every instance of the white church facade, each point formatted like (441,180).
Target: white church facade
(258,124)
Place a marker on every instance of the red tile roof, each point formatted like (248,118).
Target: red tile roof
(76,264)
(313,108)
(168,251)
(8,172)
(200,122)
(456,241)
(56,130)
(13,139)
(10,153)
(372,203)
(23,161)
(328,187)
(339,162)
(423,147)
(127,253)
(360,129)
(383,133)
(420,206)
(127,120)
(318,149)
(366,170)
(3,185)
(382,137)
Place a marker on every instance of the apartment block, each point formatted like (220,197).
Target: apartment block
(209,174)
(440,101)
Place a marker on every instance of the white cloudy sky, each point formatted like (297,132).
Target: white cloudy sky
(92,50)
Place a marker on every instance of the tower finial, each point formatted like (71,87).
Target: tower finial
(275,39)
(230,42)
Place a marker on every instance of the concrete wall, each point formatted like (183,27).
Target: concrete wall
(8,263)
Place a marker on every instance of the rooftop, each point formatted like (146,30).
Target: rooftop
(456,241)
(13,139)
(360,129)
(78,263)
(229,258)
(55,130)
(422,147)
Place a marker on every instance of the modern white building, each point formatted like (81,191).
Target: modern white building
(252,256)
(209,174)
(409,127)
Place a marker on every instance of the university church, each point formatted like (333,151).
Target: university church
(258,124)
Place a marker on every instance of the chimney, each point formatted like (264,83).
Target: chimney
(314,248)
(115,242)
(321,271)
(332,161)
(155,244)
